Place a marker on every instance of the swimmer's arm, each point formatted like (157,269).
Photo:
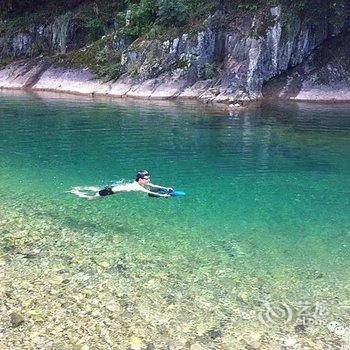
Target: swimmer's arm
(162,187)
(120,188)
(116,189)
(159,194)
(155,194)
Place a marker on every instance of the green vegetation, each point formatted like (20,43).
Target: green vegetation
(210,70)
(340,12)
(310,11)
(98,57)
(100,20)
(5,61)
(133,71)
(181,64)
(100,15)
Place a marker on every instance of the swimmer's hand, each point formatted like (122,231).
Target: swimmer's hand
(163,195)
(155,194)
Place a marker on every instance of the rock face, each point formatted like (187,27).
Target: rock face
(323,76)
(224,64)
(223,61)
(63,35)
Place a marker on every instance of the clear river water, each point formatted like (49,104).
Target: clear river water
(256,255)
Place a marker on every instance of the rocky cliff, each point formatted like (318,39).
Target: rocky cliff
(225,58)
(64,34)
(323,76)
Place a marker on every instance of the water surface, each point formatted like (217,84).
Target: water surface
(265,220)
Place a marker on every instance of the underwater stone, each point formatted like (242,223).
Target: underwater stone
(59,346)
(214,333)
(196,346)
(136,343)
(81,347)
(254,340)
(16,319)
(112,306)
(290,342)
(103,264)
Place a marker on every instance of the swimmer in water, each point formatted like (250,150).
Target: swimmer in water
(141,184)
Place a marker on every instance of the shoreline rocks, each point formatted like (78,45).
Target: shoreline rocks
(218,64)
(80,82)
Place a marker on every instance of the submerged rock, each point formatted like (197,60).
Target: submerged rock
(290,342)
(113,307)
(197,346)
(16,319)
(136,343)
(254,340)
(214,333)
(81,347)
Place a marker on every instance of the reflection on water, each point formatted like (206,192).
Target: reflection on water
(264,226)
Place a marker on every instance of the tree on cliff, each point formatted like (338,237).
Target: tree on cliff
(17,7)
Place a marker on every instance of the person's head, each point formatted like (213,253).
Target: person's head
(143,177)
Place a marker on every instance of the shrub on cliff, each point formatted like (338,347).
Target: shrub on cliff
(143,15)
(173,11)
(147,14)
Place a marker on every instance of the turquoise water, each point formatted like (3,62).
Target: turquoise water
(266,215)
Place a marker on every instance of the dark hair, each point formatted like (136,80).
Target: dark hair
(142,174)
